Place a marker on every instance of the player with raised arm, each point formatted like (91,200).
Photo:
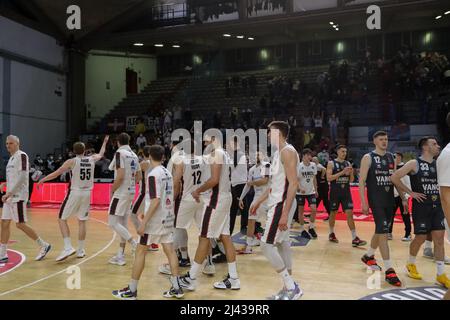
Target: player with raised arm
(78,197)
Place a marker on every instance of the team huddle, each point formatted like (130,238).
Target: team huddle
(197,190)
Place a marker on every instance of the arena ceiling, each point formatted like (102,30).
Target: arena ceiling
(106,24)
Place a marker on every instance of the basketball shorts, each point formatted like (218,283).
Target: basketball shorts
(15,211)
(427,217)
(138,206)
(148,239)
(343,199)
(216,219)
(77,203)
(120,207)
(189,211)
(302,198)
(261,213)
(382,215)
(273,235)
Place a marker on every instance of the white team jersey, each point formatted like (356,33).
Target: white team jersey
(126,159)
(82,174)
(306,175)
(258,172)
(17,164)
(193,168)
(278,181)
(160,185)
(443,167)
(223,189)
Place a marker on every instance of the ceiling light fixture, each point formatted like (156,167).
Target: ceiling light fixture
(176,46)
(447,12)
(251,38)
(159,45)
(227,35)
(240,37)
(138,44)
(438,17)
(331,22)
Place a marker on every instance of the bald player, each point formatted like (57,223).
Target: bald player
(14,208)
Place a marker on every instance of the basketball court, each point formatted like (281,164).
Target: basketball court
(327,271)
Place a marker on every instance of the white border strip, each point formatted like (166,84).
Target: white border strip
(64,270)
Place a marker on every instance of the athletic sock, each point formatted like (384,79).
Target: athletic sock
(370,252)
(81,244)
(387,264)
(3,248)
(121,252)
(232,270)
(440,265)
(41,242)
(174,282)
(312,225)
(184,254)
(331,230)
(133,285)
(249,241)
(287,279)
(428,244)
(67,243)
(353,234)
(302,228)
(195,268)
(132,242)
(412,259)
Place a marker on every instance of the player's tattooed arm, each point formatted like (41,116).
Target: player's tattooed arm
(409,167)
(68,165)
(363,171)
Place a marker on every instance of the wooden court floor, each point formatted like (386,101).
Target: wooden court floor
(324,270)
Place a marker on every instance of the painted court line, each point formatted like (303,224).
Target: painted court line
(18,265)
(65,269)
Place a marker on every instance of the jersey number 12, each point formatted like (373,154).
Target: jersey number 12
(197,175)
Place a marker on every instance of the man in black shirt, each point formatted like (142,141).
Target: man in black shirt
(340,175)
(376,169)
(428,216)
